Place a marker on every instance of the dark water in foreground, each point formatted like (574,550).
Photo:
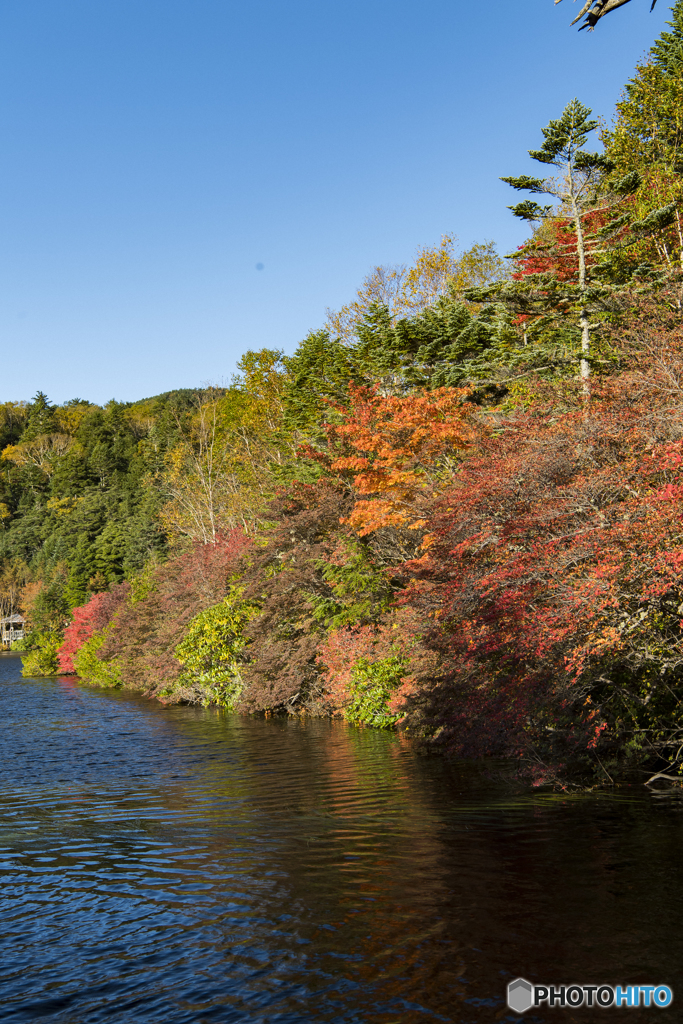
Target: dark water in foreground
(178,865)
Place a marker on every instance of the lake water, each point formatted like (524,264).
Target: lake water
(180,866)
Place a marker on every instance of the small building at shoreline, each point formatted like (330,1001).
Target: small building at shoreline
(11,629)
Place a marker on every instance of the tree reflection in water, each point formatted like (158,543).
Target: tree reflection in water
(179,864)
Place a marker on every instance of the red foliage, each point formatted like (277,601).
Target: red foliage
(337,656)
(343,648)
(558,255)
(555,567)
(150,625)
(86,620)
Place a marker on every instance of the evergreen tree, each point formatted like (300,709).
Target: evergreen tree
(319,372)
(449,344)
(41,417)
(667,51)
(647,137)
(566,281)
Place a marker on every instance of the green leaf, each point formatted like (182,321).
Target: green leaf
(528,210)
(527,183)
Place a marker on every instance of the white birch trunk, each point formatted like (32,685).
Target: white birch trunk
(583,314)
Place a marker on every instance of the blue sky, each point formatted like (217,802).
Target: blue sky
(154,152)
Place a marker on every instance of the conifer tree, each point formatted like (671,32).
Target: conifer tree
(667,51)
(647,136)
(41,417)
(585,214)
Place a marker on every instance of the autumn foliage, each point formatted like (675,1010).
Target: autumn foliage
(400,447)
(495,566)
(553,587)
(501,583)
(93,616)
(146,622)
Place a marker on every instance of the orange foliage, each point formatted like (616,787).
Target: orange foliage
(402,446)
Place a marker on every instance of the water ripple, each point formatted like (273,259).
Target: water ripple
(180,865)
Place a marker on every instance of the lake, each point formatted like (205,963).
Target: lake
(182,865)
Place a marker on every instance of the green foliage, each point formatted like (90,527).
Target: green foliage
(50,610)
(291,541)
(646,138)
(41,417)
(667,51)
(89,667)
(213,650)
(144,584)
(565,136)
(372,684)
(41,658)
(445,345)
(319,373)
(448,344)
(25,644)
(361,590)
(78,493)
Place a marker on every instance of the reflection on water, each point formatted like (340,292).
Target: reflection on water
(181,865)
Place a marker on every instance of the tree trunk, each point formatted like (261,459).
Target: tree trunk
(583,314)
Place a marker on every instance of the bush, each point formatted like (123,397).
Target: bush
(87,620)
(149,625)
(371,688)
(89,667)
(25,644)
(211,652)
(368,671)
(41,659)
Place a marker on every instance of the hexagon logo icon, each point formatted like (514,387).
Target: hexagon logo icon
(520,995)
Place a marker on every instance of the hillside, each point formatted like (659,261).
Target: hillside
(454,509)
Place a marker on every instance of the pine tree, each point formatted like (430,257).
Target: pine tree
(578,228)
(647,136)
(41,417)
(667,51)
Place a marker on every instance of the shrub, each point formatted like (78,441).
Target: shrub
(371,688)
(367,671)
(87,620)
(145,631)
(41,660)
(89,667)
(211,652)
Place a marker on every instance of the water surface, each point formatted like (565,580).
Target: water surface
(181,866)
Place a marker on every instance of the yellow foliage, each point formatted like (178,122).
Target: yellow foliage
(70,417)
(140,417)
(439,270)
(12,414)
(220,475)
(43,452)
(62,506)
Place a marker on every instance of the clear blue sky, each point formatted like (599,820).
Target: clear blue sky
(154,152)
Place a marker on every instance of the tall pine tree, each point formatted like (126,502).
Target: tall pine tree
(557,274)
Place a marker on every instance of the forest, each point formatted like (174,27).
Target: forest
(454,510)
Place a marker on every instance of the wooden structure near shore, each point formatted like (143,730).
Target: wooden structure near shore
(11,629)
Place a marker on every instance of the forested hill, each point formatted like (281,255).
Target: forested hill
(455,508)
(79,502)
